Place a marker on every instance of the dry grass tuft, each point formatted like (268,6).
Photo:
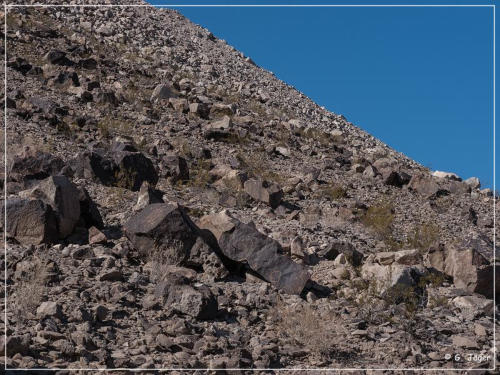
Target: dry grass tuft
(306,327)
(30,289)
(379,218)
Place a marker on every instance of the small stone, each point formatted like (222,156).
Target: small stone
(48,309)
(464,342)
(96,236)
(101,313)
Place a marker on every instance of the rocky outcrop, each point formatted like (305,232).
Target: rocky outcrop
(243,243)
(469,268)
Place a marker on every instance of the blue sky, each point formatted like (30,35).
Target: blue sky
(419,79)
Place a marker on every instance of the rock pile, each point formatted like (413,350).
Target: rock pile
(170,204)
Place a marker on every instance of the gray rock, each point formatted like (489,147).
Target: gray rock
(63,196)
(164,228)
(49,309)
(197,302)
(243,243)
(147,195)
(473,182)
(162,91)
(468,267)
(30,222)
(263,191)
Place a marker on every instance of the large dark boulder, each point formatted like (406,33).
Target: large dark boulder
(94,166)
(162,228)
(395,178)
(30,222)
(133,169)
(122,168)
(243,243)
(34,166)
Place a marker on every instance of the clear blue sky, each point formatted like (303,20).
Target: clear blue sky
(419,79)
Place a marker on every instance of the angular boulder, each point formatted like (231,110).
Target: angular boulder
(34,166)
(263,191)
(390,276)
(147,195)
(162,91)
(96,167)
(424,185)
(133,169)
(176,168)
(200,109)
(244,244)
(30,222)
(470,269)
(395,178)
(165,228)
(198,302)
(63,196)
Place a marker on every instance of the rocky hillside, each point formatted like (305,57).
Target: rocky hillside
(172,205)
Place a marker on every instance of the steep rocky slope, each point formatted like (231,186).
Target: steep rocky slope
(171,204)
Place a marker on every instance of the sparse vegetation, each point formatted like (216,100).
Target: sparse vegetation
(160,259)
(332,191)
(306,327)
(110,127)
(199,174)
(30,289)
(379,218)
(423,236)
(257,165)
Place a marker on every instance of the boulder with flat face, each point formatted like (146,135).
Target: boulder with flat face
(147,195)
(63,196)
(163,91)
(133,169)
(34,166)
(176,168)
(95,166)
(470,269)
(244,244)
(162,228)
(263,191)
(198,302)
(30,222)
(424,185)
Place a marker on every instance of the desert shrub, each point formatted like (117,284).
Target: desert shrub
(110,127)
(30,289)
(433,279)
(305,327)
(332,191)
(379,218)
(423,236)
(199,174)
(159,260)
(317,135)
(236,139)
(257,165)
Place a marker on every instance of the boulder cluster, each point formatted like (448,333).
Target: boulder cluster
(170,204)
